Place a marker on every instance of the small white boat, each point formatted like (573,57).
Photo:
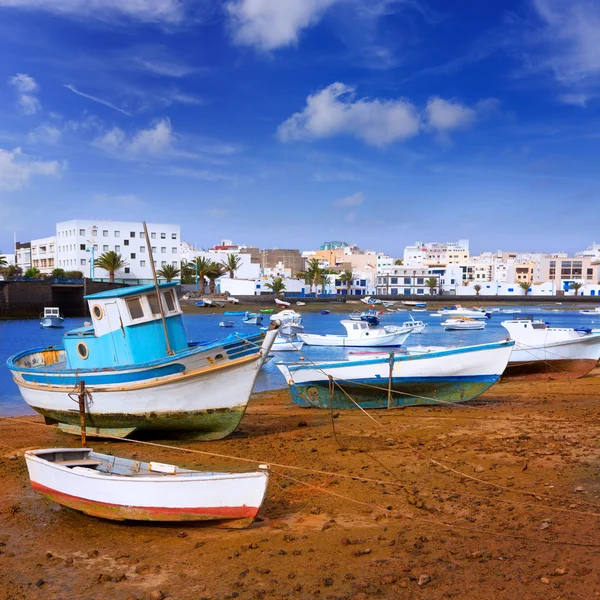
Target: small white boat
(286,344)
(300,303)
(388,303)
(414,326)
(253,318)
(207,302)
(414,303)
(544,352)
(281,302)
(118,489)
(359,333)
(291,321)
(366,300)
(233,300)
(226,324)
(462,323)
(51,317)
(458,311)
(595,312)
(510,311)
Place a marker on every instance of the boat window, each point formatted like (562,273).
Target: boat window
(97,311)
(135,308)
(539,325)
(356,326)
(153,301)
(82,350)
(170,301)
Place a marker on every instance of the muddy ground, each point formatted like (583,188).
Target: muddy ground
(418,531)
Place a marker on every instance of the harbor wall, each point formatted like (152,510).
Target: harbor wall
(27,299)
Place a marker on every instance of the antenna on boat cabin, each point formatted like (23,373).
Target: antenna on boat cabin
(158,296)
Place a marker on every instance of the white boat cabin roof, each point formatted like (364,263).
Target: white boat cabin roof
(51,311)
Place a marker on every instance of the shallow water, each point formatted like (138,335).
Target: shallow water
(19,335)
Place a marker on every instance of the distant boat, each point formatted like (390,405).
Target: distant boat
(544,352)
(226,324)
(205,302)
(462,323)
(119,489)
(325,312)
(429,377)
(511,311)
(281,302)
(235,314)
(300,303)
(286,344)
(51,317)
(358,334)
(414,326)
(414,303)
(458,311)
(595,312)
(369,316)
(252,318)
(267,311)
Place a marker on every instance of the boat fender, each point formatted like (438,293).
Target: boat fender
(162,468)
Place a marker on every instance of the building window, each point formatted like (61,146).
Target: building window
(142,248)
(117,233)
(94,232)
(173,236)
(163,250)
(104,233)
(153,235)
(126,269)
(105,248)
(394,281)
(117,248)
(142,235)
(133,255)
(407,281)
(420,291)
(82,232)
(82,246)
(126,242)
(174,250)
(420,281)
(163,263)
(142,263)
(154,249)
(174,263)
(132,234)
(83,261)
(394,291)
(163,236)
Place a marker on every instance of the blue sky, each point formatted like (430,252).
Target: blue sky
(285,123)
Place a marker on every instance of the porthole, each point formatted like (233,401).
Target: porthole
(97,312)
(82,350)
(219,356)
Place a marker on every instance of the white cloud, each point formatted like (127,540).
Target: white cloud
(162,67)
(16,169)
(95,98)
(446,115)
(149,11)
(353,200)
(154,141)
(45,134)
(271,24)
(218,212)
(575,99)
(26,86)
(334,110)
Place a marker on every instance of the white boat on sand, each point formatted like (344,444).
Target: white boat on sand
(544,352)
(462,323)
(281,302)
(118,489)
(358,333)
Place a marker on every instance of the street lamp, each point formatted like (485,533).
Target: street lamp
(91,259)
(196,267)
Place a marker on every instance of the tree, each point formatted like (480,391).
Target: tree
(201,266)
(431,283)
(13,271)
(347,277)
(477,288)
(232,264)
(168,272)
(3,261)
(112,262)
(215,271)
(576,286)
(58,272)
(32,273)
(276,285)
(398,261)
(313,272)
(524,285)
(322,278)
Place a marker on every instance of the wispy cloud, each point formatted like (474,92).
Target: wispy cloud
(353,200)
(95,98)
(122,200)
(27,88)
(17,169)
(163,67)
(218,212)
(154,141)
(47,134)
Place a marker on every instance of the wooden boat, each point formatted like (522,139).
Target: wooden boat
(414,303)
(115,488)
(358,334)
(226,324)
(51,317)
(544,352)
(414,326)
(428,377)
(462,324)
(281,302)
(252,318)
(138,377)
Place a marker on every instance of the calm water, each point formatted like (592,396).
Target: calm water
(24,334)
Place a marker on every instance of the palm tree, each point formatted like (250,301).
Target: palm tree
(276,285)
(188,274)
(576,286)
(214,272)
(231,265)
(398,261)
(322,278)
(431,283)
(524,285)
(3,261)
(202,267)
(168,272)
(313,272)
(477,289)
(347,277)
(112,262)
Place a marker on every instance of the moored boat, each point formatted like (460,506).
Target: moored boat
(140,371)
(281,302)
(358,333)
(594,312)
(394,380)
(252,318)
(458,311)
(287,343)
(51,317)
(291,322)
(414,326)
(226,324)
(118,489)
(544,352)
(462,323)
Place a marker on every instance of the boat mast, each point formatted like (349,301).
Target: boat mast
(158,296)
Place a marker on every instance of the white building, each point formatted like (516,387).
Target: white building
(43,254)
(76,239)
(431,254)
(246,270)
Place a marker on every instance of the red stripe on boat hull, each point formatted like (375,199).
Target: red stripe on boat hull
(117,512)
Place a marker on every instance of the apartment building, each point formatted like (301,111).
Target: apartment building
(80,240)
(23,255)
(436,254)
(404,281)
(43,254)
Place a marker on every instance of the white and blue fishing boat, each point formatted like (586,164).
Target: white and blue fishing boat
(140,372)
(252,318)
(51,317)
(390,380)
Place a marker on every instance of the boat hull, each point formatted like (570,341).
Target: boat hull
(549,369)
(208,398)
(49,322)
(447,376)
(225,496)
(392,339)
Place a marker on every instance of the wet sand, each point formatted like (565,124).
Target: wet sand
(427,532)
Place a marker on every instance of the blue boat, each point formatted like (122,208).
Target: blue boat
(51,317)
(325,312)
(140,371)
(252,318)
(393,379)
(234,314)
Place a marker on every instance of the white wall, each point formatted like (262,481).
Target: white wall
(247,270)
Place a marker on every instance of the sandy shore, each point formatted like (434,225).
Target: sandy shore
(427,532)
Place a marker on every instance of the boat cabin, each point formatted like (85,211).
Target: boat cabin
(51,312)
(127,328)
